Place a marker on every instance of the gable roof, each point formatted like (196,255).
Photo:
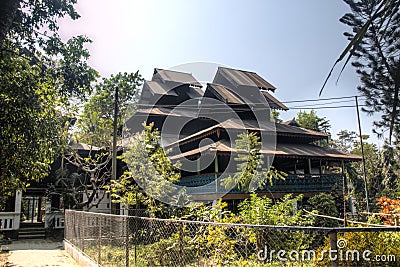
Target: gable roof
(230,97)
(242,78)
(273,102)
(176,77)
(157,89)
(224,94)
(291,122)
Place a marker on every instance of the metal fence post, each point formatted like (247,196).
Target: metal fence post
(83,218)
(334,247)
(100,218)
(136,235)
(181,245)
(126,242)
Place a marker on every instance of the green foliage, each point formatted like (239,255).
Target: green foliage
(67,62)
(220,244)
(381,164)
(167,251)
(96,121)
(375,25)
(150,169)
(310,120)
(95,128)
(325,204)
(31,127)
(35,20)
(39,77)
(275,116)
(379,243)
(382,171)
(251,174)
(262,211)
(345,142)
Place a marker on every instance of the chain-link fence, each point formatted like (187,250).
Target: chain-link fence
(114,240)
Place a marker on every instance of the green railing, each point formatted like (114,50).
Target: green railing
(291,184)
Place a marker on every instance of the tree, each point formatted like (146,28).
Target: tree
(310,120)
(346,140)
(263,211)
(390,210)
(374,45)
(30,124)
(149,176)
(31,21)
(251,174)
(39,76)
(275,116)
(382,173)
(95,128)
(325,204)
(95,125)
(8,9)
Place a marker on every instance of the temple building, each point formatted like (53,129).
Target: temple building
(197,120)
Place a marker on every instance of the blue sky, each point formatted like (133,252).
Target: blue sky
(292,44)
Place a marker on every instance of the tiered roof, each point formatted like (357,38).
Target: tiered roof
(229,85)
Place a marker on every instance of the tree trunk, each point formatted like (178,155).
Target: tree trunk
(8,9)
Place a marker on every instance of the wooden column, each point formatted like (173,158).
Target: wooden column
(198,165)
(216,172)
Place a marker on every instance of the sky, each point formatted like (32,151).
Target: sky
(292,44)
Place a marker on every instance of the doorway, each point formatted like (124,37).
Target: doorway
(33,209)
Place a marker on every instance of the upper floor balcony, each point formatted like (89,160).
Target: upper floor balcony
(314,183)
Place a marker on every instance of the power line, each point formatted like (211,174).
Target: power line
(328,107)
(327,103)
(224,110)
(320,99)
(214,105)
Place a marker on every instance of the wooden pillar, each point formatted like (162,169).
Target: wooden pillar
(198,165)
(216,172)
(39,215)
(320,167)
(33,208)
(334,249)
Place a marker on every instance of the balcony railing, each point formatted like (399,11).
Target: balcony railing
(291,184)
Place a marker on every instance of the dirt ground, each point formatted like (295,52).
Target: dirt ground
(37,253)
(3,258)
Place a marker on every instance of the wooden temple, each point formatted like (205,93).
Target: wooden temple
(207,119)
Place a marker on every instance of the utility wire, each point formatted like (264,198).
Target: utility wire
(255,103)
(224,110)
